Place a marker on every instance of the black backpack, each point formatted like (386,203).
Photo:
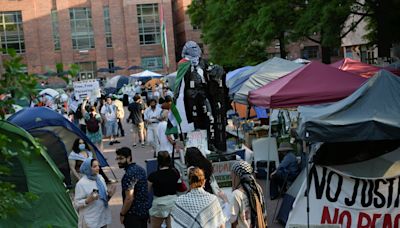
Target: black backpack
(92,124)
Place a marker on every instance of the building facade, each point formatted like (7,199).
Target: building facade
(93,34)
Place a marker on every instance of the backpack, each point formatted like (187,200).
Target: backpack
(92,124)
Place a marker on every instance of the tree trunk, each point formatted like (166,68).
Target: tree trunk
(326,54)
(282,48)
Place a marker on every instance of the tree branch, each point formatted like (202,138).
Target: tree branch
(352,27)
(362,14)
(360,4)
(314,40)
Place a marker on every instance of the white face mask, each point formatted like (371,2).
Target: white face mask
(82,146)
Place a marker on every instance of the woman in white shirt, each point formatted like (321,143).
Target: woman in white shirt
(91,197)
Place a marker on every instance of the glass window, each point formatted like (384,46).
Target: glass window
(11,31)
(87,70)
(56,34)
(149,24)
(81,28)
(107,26)
(310,52)
(152,63)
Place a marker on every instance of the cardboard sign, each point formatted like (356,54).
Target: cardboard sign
(198,139)
(87,88)
(337,198)
(222,173)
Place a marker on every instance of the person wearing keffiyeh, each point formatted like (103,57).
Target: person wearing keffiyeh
(197,208)
(91,196)
(246,208)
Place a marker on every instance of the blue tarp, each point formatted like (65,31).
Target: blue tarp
(231,75)
(38,117)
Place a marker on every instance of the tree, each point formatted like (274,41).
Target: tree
(14,84)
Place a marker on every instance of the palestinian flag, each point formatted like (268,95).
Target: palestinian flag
(177,120)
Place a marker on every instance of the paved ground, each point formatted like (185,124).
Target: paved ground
(140,155)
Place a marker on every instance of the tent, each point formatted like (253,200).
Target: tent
(232,75)
(117,82)
(56,133)
(372,111)
(394,67)
(39,175)
(146,74)
(314,83)
(361,136)
(353,66)
(271,70)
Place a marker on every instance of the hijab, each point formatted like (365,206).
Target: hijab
(86,169)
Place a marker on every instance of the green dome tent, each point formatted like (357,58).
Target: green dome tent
(39,175)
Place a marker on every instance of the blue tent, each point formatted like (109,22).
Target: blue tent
(42,120)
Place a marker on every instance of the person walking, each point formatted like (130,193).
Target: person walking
(135,208)
(136,109)
(109,112)
(120,114)
(91,197)
(197,208)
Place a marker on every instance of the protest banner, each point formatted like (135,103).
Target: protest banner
(338,198)
(87,88)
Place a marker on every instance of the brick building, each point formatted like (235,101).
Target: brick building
(93,34)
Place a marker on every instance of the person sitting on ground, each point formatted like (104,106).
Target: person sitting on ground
(287,170)
(197,208)
(164,183)
(91,197)
(246,208)
(194,157)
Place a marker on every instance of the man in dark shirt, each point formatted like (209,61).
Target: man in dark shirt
(136,109)
(135,208)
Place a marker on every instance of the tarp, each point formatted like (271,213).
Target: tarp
(394,67)
(314,83)
(270,71)
(353,66)
(370,113)
(39,175)
(42,117)
(117,82)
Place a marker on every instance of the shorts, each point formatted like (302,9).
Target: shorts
(111,128)
(138,127)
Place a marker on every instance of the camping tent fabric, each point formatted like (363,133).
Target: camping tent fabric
(117,82)
(53,207)
(231,75)
(40,117)
(146,74)
(353,66)
(270,71)
(314,83)
(394,67)
(370,113)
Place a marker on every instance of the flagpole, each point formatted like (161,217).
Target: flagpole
(164,41)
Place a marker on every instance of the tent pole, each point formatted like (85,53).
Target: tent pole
(268,160)
(306,150)
(237,128)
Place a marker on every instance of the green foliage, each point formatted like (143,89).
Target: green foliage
(14,84)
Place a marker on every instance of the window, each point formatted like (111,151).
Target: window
(11,31)
(107,26)
(111,65)
(152,63)
(81,28)
(56,34)
(149,24)
(310,52)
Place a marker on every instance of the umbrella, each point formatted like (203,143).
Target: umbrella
(117,82)
(103,70)
(116,68)
(135,67)
(50,92)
